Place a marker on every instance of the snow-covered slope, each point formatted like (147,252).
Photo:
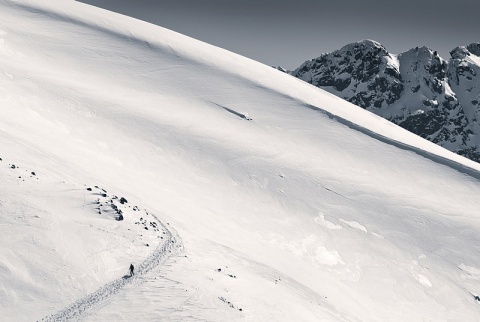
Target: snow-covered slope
(290,204)
(417,89)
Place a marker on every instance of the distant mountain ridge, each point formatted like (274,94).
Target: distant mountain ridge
(417,89)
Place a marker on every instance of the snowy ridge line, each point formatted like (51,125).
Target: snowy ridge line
(78,309)
(451,163)
(69,18)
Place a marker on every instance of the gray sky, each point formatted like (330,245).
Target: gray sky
(288,32)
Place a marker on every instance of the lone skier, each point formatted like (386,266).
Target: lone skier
(131,270)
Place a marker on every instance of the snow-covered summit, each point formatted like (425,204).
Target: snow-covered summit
(289,203)
(417,90)
(364,45)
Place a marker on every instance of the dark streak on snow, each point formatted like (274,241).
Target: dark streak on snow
(241,115)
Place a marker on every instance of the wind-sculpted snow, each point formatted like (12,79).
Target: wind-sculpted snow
(292,204)
(434,157)
(170,245)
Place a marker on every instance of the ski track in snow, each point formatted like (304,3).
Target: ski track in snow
(79,309)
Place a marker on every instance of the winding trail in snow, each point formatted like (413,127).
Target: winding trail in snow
(77,310)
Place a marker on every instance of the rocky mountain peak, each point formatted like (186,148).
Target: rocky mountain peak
(474,48)
(423,67)
(363,73)
(363,49)
(459,52)
(418,90)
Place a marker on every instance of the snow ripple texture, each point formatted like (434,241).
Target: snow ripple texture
(78,309)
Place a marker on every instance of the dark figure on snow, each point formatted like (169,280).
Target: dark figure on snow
(131,269)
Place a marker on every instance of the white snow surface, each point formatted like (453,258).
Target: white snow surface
(282,202)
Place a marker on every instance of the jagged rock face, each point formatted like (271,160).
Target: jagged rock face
(464,78)
(417,89)
(362,73)
(430,108)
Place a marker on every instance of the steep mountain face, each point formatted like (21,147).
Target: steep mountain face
(418,90)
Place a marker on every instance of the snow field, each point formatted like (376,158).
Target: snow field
(45,247)
(320,209)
